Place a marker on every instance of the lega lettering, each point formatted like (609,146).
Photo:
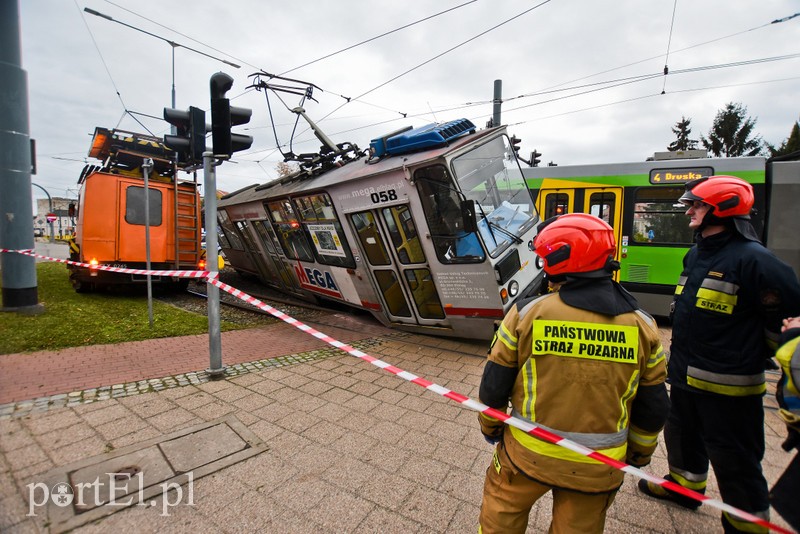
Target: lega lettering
(321,279)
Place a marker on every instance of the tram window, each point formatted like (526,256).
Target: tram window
(426,298)
(392,293)
(370,239)
(403,234)
(230,233)
(289,231)
(441,203)
(602,205)
(134,206)
(556,204)
(659,218)
(319,220)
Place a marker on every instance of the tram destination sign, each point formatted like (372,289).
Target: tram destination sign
(679,175)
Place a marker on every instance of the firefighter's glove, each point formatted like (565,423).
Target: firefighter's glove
(494,438)
(491,428)
(792,440)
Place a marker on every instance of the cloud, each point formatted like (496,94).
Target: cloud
(85,71)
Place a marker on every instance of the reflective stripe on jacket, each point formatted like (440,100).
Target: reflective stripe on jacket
(728,306)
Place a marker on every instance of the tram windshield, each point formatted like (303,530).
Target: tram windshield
(490,176)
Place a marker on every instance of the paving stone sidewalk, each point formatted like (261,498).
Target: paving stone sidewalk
(346,447)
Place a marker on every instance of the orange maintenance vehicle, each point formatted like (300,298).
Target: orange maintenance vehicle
(111,224)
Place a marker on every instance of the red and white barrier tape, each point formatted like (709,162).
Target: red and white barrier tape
(179,274)
(477,406)
(532,429)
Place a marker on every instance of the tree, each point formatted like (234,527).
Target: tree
(792,144)
(682,131)
(285,169)
(730,136)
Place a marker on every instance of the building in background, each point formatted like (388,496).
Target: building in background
(63,226)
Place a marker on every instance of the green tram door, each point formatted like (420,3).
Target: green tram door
(602,202)
(397,265)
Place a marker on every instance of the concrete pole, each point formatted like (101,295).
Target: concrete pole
(498,102)
(20,290)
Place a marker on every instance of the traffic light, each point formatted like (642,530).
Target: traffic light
(515,141)
(223,116)
(535,158)
(190,139)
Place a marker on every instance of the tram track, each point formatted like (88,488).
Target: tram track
(314,315)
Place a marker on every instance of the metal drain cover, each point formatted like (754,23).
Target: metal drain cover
(142,473)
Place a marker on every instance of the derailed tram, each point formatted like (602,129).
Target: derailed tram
(431,230)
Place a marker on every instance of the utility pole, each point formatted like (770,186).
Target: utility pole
(498,102)
(20,290)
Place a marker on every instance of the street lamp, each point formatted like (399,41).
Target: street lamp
(50,200)
(173,44)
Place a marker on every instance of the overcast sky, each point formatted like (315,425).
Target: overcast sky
(571,72)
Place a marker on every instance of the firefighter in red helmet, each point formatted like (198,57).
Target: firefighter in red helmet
(726,321)
(585,363)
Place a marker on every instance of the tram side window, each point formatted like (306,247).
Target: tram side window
(556,204)
(319,219)
(441,203)
(602,205)
(289,231)
(659,218)
(134,206)
(403,234)
(228,231)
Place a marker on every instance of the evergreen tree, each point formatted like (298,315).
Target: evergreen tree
(682,131)
(730,136)
(792,144)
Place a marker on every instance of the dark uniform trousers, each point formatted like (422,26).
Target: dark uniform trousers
(729,433)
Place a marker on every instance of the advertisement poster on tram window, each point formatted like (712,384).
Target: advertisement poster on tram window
(326,240)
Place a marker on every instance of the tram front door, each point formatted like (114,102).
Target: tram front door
(398,266)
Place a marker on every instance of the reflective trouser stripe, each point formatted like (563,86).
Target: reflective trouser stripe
(693,481)
(746,526)
(726,384)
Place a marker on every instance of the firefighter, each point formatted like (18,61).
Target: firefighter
(726,320)
(785,492)
(583,362)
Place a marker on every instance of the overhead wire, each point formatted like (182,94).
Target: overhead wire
(669,42)
(108,71)
(437,56)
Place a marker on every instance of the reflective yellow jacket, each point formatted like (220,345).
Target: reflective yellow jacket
(595,379)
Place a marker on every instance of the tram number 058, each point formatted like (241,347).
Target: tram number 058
(383,196)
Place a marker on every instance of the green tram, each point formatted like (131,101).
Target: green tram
(639,200)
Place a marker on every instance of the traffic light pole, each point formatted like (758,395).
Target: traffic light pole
(216,370)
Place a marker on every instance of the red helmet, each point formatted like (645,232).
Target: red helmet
(575,243)
(728,195)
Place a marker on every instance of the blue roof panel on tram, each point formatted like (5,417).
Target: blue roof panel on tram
(428,136)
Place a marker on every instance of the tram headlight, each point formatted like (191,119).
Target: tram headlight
(539,262)
(513,288)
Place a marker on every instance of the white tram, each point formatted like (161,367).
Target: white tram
(431,230)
